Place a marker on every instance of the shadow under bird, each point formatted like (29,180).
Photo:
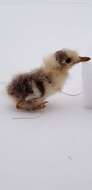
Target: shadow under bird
(31,89)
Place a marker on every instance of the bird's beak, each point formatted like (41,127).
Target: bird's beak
(84,59)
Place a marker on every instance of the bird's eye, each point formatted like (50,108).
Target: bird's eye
(68,60)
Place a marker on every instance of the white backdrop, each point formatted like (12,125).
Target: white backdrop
(52,151)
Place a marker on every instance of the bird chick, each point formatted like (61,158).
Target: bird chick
(31,89)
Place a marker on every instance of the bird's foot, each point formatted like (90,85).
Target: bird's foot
(34,105)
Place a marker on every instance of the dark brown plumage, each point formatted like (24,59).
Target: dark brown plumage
(23,85)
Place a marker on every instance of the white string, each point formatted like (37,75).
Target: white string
(69,94)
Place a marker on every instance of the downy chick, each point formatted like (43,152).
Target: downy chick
(31,89)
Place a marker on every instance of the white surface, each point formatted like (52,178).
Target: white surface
(54,150)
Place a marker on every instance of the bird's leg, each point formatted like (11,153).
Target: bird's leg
(35,104)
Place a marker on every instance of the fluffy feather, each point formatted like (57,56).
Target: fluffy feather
(30,89)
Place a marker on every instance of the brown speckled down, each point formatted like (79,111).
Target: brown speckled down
(23,85)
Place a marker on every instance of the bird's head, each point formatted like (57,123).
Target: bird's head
(68,58)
